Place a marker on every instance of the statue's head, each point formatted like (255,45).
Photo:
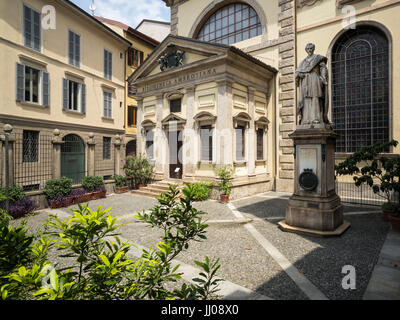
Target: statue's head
(310,48)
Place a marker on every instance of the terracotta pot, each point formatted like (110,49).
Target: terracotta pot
(395,221)
(141,185)
(83,198)
(121,189)
(67,201)
(386,214)
(55,204)
(98,195)
(224,198)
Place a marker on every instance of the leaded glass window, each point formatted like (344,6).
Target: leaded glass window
(360,88)
(230,24)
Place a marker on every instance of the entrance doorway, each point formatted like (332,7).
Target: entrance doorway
(73,158)
(175,154)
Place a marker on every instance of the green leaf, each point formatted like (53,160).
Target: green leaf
(104,259)
(54,279)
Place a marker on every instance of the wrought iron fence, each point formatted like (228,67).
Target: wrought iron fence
(104,158)
(33,159)
(350,193)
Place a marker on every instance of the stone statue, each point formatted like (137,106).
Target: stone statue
(312,80)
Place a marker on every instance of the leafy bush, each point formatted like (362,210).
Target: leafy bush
(92,184)
(138,169)
(58,187)
(225,175)
(99,264)
(120,181)
(21,207)
(14,193)
(200,191)
(369,166)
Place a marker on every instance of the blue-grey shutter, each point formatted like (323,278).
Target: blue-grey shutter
(83,98)
(70,47)
(46,89)
(27,27)
(36,30)
(20,82)
(105,63)
(65,94)
(77,50)
(110,65)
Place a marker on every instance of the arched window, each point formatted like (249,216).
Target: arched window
(360,88)
(230,24)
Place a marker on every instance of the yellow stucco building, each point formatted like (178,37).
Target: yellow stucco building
(62,90)
(142,47)
(359,38)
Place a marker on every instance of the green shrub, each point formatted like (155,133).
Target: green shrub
(92,183)
(120,181)
(58,187)
(225,176)
(138,169)
(200,191)
(98,264)
(14,193)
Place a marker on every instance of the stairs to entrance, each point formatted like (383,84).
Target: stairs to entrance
(154,190)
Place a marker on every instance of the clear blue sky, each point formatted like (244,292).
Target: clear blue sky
(130,12)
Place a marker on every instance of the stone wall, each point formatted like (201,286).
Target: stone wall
(287,94)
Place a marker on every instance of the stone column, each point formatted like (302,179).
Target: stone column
(252,144)
(287,94)
(139,134)
(57,143)
(224,125)
(117,155)
(91,145)
(159,141)
(189,143)
(7,131)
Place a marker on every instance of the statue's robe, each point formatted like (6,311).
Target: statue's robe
(313,100)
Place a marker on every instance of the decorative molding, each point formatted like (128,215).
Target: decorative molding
(302,3)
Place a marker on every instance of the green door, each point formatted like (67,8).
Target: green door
(73,158)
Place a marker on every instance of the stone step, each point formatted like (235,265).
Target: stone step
(146,193)
(155,188)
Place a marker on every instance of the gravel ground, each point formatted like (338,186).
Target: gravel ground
(244,261)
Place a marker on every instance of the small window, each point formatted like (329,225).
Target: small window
(74,96)
(135,57)
(240,143)
(30,146)
(132,116)
(107,64)
(206,137)
(32,29)
(150,144)
(106,148)
(260,144)
(175,105)
(107,104)
(32,84)
(74,49)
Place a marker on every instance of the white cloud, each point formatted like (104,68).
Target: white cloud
(132,12)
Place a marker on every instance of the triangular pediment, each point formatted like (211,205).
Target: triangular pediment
(172,117)
(174,53)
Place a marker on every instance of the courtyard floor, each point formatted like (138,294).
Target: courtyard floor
(258,260)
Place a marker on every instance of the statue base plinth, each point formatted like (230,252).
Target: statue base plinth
(314,208)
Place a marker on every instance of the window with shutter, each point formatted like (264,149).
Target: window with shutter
(32,28)
(45,89)
(260,144)
(107,104)
(74,49)
(20,77)
(107,64)
(240,143)
(206,138)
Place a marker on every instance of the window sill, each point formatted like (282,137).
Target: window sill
(74,112)
(32,104)
(240,162)
(107,119)
(206,162)
(261,161)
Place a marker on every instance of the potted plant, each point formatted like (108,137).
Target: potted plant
(225,175)
(138,170)
(58,192)
(121,184)
(394,219)
(379,172)
(80,195)
(19,204)
(94,186)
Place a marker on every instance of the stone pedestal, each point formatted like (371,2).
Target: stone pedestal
(314,208)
